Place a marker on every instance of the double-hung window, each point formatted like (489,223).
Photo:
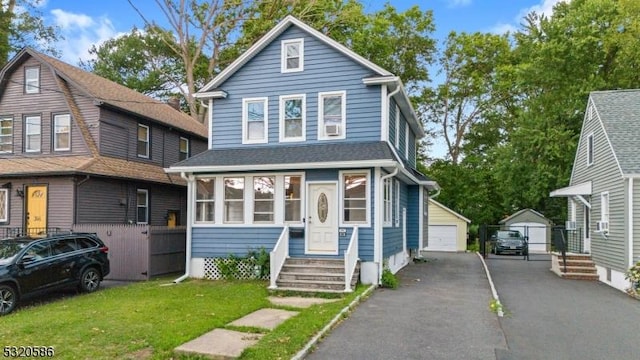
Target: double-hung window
(292,199)
(263,199)
(292,118)
(354,194)
(4,205)
(6,134)
(205,200)
(62,132)
(32,80)
(234,200)
(332,115)
(184,149)
(143,206)
(143,141)
(292,57)
(254,120)
(33,134)
(387,206)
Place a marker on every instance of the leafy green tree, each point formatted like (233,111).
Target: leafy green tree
(21,24)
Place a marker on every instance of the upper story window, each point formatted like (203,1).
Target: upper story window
(32,134)
(590,149)
(332,115)
(62,132)
(263,199)
(143,141)
(32,80)
(292,55)
(184,148)
(254,120)
(6,134)
(234,200)
(292,118)
(354,195)
(4,205)
(205,200)
(143,206)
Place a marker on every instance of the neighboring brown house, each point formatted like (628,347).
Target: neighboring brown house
(76,148)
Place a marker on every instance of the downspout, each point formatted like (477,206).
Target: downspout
(630,222)
(434,195)
(187,266)
(379,221)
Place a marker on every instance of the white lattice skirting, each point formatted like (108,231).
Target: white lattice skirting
(243,269)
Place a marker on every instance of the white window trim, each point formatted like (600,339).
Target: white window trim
(245,198)
(341,176)
(248,201)
(590,149)
(196,201)
(397,127)
(284,98)
(5,218)
(28,82)
(146,194)
(604,203)
(273,199)
(245,121)
(572,210)
(55,133)
(397,198)
(407,138)
(26,134)
(387,202)
(283,55)
(148,142)
(182,138)
(10,136)
(343,124)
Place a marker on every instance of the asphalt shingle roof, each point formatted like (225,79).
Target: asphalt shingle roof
(619,111)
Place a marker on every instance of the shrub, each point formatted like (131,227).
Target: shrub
(389,280)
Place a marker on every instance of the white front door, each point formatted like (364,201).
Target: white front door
(322,219)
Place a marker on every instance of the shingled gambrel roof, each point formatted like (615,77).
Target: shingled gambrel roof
(110,93)
(619,113)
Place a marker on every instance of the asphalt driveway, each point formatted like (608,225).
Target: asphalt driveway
(552,318)
(440,311)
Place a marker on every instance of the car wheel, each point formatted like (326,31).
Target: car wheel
(8,299)
(497,252)
(90,280)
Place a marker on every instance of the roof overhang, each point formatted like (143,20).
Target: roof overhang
(574,190)
(285,166)
(218,94)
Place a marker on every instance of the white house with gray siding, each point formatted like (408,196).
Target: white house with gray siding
(604,190)
(312,154)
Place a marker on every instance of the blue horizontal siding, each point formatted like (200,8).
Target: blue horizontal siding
(392,236)
(325,69)
(321,175)
(222,242)
(413,217)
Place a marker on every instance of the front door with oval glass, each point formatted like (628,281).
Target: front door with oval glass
(322,219)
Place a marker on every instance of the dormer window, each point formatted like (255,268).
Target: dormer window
(32,80)
(292,55)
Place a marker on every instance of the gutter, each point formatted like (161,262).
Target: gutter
(379,226)
(187,267)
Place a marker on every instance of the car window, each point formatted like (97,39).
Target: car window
(9,249)
(39,250)
(63,246)
(86,243)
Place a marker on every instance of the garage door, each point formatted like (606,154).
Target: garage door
(537,235)
(442,238)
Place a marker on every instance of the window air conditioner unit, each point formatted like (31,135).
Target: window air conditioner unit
(570,225)
(602,226)
(332,129)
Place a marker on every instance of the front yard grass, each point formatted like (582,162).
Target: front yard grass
(148,320)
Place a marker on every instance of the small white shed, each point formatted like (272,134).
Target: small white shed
(532,224)
(447,229)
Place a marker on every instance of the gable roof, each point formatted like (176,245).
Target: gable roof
(380,75)
(432,201)
(619,114)
(111,94)
(520,212)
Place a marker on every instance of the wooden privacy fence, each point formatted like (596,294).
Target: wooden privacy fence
(139,252)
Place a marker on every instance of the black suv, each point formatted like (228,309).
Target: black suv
(29,266)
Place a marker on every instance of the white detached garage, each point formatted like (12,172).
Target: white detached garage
(447,229)
(532,224)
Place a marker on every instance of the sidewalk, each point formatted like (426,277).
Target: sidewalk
(440,311)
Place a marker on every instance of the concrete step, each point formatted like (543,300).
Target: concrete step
(311,285)
(572,256)
(307,290)
(312,268)
(313,276)
(315,261)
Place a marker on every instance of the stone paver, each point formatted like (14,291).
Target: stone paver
(265,318)
(299,302)
(220,343)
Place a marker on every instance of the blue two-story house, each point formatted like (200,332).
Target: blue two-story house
(312,154)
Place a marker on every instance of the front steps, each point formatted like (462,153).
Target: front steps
(579,267)
(314,275)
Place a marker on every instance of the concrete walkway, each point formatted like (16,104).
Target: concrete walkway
(440,311)
(224,343)
(553,318)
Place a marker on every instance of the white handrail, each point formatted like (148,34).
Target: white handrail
(277,257)
(350,260)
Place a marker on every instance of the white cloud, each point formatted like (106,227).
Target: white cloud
(458,3)
(80,32)
(544,7)
(503,28)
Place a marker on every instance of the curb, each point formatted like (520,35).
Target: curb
(307,348)
(494,292)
